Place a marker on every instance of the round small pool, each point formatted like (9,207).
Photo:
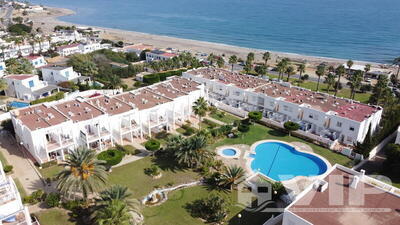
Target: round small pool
(229,152)
(281,161)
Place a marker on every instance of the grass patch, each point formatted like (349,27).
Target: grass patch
(173,211)
(259,132)
(54,216)
(132,175)
(3,159)
(51,171)
(20,188)
(224,117)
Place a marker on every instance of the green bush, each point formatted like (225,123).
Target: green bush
(29,200)
(244,128)
(38,195)
(55,97)
(152,145)
(72,205)
(152,171)
(111,156)
(53,200)
(19,29)
(157,77)
(189,131)
(8,168)
(255,116)
(210,123)
(226,129)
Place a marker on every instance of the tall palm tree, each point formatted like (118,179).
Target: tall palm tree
(233,60)
(266,57)
(114,212)
(367,68)
(355,83)
(301,69)
(211,58)
(340,70)
(191,152)
(349,64)
(281,67)
(330,80)
(321,69)
(290,71)
(231,175)
(3,48)
(114,81)
(199,108)
(250,57)
(83,174)
(118,192)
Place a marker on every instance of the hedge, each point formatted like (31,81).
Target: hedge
(55,97)
(111,156)
(157,77)
(152,145)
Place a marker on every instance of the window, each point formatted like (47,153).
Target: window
(272,104)
(237,93)
(311,116)
(67,74)
(351,128)
(339,124)
(31,84)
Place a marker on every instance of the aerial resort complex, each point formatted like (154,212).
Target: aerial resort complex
(109,126)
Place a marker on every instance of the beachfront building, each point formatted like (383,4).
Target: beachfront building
(2,69)
(37,61)
(90,47)
(50,130)
(64,36)
(27,87)
(345,196)
(12,211)
(137,48)
(58,74)
(159,55)
(12,50)
(321,116)
(66,50)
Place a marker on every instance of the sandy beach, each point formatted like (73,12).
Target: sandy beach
(50,18)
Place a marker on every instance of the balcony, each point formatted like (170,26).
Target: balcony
(52,145)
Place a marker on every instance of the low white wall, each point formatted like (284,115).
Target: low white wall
(5,116)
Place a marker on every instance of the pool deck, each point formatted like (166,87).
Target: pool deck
(296,184)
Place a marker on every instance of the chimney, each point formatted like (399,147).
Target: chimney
(354,182)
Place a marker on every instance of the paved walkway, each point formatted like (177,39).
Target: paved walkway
(23,170)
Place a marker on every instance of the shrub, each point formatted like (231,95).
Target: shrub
(8,168)
(19,29)
(157,77)
(152,171)
(111,156)
(72,205)
(226,129)
(29,200)
(255,116)
(55,97)
(152,145)
(213,208)
(38,195)
(210,123)
(52,200)
(291,126)
(244,128)
(189,131)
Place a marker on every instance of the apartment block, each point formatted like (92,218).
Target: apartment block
(49,131)
(320,114)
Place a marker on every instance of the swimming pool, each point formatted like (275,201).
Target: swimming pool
(281,161)
(229,152)
(16,104)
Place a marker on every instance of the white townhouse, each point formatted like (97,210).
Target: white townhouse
(159,55)
(343,196)
(66,50)
(2,69)
(27,87)
(51,130)
(58,74)
(15,51)
(328,117)
(137,48)
(37,61)
(12,211)
(89,47)
(63,36)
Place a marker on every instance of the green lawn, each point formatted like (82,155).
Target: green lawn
(20,188)
(132,176)
(51,171)
(259,132)
(174,212)
(3,159)
(224,117)
(55,216)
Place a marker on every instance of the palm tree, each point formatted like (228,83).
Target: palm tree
(330,80)
(340,70)
(191,152)
(301,69)
(250,57)
(211,58)
(199,108)
(355,83)
(114,81)
(114,212)
(231,175)
(3,53)
(83,174)
(118,192)
(220,62)
(266,57)
(321,69)
(233,60)
(290,71)
(367,68)
(349,64)
(281,67)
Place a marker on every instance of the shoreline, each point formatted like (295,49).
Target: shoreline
(51,17)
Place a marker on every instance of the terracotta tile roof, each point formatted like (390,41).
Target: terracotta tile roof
(112,106)
(184,84)
(33,57)
(40,116)
(20,76)
(143,99)
(369,196)
(68,46)
(78,111)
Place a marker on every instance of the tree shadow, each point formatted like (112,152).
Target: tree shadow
(254,215)
(167,163)
(277,133)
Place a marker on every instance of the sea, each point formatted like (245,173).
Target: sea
(367,30)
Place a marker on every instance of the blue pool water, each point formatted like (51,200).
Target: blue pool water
(229,152)
(281,162)
(16,104)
